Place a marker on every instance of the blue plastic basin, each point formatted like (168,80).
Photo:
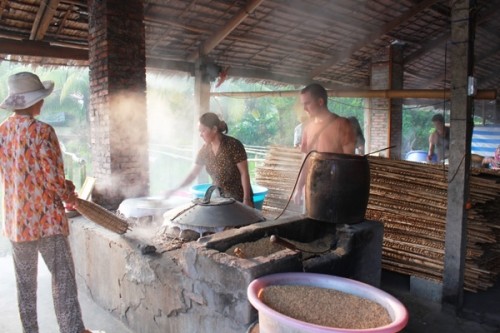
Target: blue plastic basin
(419,156)
(259,193)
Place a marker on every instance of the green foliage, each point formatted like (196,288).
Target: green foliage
(347,107)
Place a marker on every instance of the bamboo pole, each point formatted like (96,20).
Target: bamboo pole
(487,94)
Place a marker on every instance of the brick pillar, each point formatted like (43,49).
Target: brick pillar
(378,110)
(396,104)
(118,100)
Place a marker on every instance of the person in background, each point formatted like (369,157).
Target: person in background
(326,132)
(225,160)
(360,138)
(32,174)
(494,161)
(439,140)
(297,132)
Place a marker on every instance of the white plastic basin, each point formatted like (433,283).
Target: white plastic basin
(271,321)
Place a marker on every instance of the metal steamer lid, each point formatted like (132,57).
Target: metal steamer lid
(214,212)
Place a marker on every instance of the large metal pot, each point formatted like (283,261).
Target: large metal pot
(211,212)
(337,187)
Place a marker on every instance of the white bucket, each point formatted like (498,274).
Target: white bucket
(271,321)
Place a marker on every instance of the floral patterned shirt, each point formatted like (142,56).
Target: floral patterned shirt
(223,167)
(32,175)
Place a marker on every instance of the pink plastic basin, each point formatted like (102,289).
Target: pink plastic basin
(271,321)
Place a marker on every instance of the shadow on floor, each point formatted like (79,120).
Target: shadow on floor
(481,310)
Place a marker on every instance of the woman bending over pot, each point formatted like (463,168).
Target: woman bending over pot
(224,158)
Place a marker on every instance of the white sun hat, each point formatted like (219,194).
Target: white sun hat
(25,89)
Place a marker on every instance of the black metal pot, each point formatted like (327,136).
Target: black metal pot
(337,187)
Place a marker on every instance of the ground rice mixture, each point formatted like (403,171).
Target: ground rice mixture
(325,307)
(261,247)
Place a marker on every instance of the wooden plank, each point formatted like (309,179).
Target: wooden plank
(43,19)
(41,49)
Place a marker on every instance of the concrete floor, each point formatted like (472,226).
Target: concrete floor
(95,318)
(425,316)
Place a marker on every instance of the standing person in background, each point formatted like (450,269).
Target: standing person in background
(32,174)
(360,138)
(439,140)
(225,159)
(326,132)
(297,132)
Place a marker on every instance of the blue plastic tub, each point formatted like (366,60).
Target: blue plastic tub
(419,156)
(259,193)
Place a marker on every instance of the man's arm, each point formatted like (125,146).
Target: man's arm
(349,139)
(432,145)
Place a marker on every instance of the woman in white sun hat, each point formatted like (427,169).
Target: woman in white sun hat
(32,172)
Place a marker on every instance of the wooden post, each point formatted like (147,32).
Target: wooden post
(461,51)
(396,77)
(202,105)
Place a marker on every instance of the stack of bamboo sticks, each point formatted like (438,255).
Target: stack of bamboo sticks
(279,173)
(411,200)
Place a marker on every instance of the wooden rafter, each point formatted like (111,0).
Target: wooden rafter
(63,22)
(215,39)
(41,49)
(43,18)
(388,27)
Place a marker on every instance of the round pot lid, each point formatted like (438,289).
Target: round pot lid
(214,212)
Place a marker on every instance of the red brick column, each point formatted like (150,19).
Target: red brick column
(118,100)
(378,110)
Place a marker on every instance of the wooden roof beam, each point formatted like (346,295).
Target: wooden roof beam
(43,18)
(260,74)
(214,40)
(41,49)
(388,27)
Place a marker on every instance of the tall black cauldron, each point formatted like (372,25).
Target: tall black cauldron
(337,187)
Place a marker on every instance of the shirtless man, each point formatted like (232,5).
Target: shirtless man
(326,132)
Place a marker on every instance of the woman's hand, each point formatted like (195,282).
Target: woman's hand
(70,199)
(248,202)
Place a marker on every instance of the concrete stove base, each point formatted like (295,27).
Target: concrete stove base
(198,287)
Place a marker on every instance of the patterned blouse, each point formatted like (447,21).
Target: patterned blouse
(223,166)
(32,174)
